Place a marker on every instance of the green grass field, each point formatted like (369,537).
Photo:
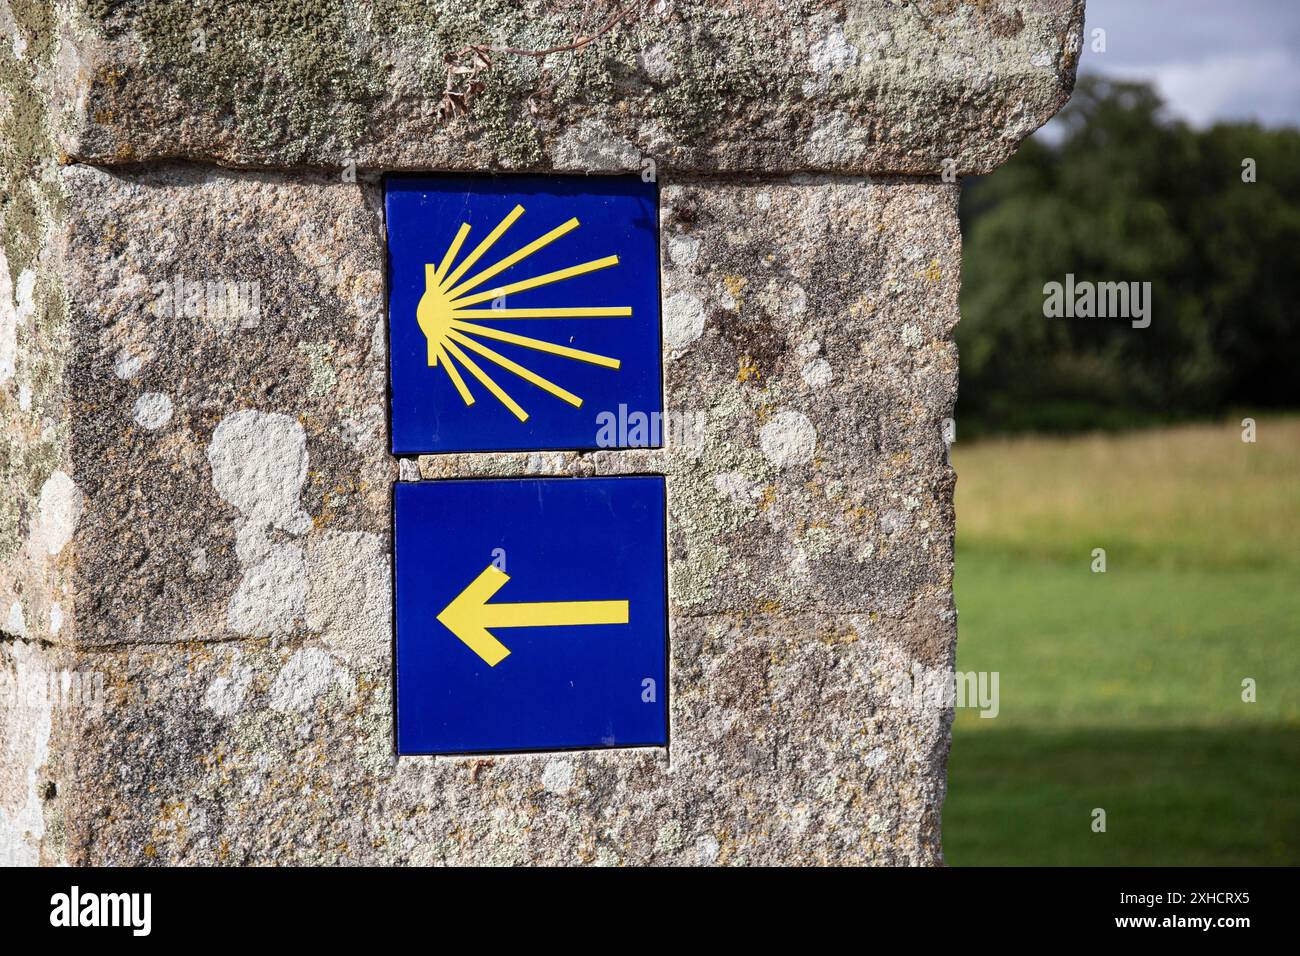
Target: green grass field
(1123,690)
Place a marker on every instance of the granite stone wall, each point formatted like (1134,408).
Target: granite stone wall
(196,644)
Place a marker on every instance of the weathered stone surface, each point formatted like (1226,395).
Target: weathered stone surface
(39,503)
(231,584)
(791,485)
(785,749)
(854,86)
(201,525)
(26,723)
(195,512)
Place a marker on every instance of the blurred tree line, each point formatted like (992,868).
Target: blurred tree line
(1128,195)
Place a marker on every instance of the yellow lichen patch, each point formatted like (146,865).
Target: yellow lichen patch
(859,514)
(748,370)
(861,307)
(840,637)
(734,286)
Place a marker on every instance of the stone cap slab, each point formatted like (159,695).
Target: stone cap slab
(696,86)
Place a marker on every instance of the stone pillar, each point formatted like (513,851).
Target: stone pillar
(196,517)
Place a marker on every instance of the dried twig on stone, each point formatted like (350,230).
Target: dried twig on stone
(466,66)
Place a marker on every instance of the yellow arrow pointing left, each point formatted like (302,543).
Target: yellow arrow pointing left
(469,616)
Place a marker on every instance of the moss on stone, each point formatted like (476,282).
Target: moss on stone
(35,18)
(24,143)
(30,198)
(9,452)
(300,74)
(302,66)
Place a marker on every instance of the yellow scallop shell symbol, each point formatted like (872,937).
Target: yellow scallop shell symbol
(452,326)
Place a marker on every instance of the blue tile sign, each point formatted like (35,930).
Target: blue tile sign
(520,309)
(531,614)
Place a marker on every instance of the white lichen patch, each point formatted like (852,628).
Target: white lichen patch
(828,57)
(272,594)
(25,294)
(707,849)
(817,373)
(683,250)
(307,675)
(127,364)
(58,508)
(225,695)
(362,431)
(8,323)
(259,465)
(683,320)
(251,544)
(738,487)
(654,63)
(794,298)
(591,146)
(349,592)
(152,410)
(789,438)
(557,776)
(894,521)
(833,53)
(16,621)
(837,140)
(25,729)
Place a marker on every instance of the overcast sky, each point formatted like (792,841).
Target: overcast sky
(1210,59)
